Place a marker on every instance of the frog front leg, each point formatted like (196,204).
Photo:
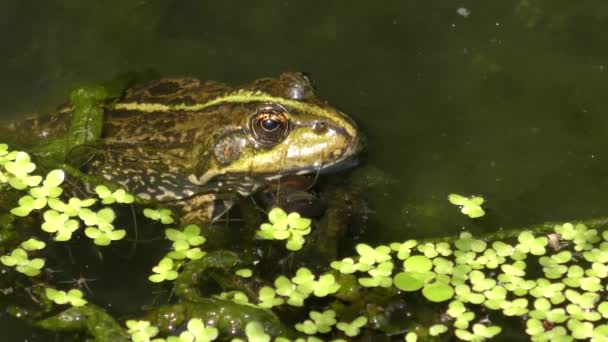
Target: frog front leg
(203,208)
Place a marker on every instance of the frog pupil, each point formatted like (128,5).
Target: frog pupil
(270,125)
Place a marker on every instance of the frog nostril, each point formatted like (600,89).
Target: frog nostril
(319,126)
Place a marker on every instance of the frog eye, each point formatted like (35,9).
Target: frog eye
(269,125)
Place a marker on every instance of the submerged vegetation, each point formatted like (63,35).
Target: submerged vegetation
(548,280)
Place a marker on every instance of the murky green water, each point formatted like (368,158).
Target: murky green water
(504,99)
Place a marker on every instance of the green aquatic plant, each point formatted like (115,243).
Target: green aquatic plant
(468,206)
(282,226)
(255,332)
(244,272)
(352,329)
(186,242)
(108,196)
(101,229)
(165,270)
(165,216)
(141,331)
(198,332)
(19,259)
(73,297)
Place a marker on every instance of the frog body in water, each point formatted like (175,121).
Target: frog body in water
(184,141)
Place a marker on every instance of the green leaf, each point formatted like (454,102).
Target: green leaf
(244,273)
(418,263)
(54,178)
(33,244)
(277,215)
(438,292)
(408,281)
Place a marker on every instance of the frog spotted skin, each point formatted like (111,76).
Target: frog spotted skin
(185,140)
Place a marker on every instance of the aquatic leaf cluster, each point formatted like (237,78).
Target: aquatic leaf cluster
(289,227)
(186,246)
(73,297)
(468,206)
(20,259)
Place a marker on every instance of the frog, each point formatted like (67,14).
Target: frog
(191,144)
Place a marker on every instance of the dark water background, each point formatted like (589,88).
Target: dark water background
(505,99)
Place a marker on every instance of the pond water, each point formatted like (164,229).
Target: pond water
(502,99)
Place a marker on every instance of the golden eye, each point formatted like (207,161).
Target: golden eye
(269,125)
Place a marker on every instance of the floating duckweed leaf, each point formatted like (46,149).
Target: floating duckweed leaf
(529,244)
(294,220)
(184,240)
(371,256)
(603,309)
(411,337)
(456,308)
(244,273)
(443,266)
(162,215)
(517,307)
(438,291)
(466,243)
(464,335)
(437,329)
(33,245)
(74,297)
(141,331)
(418,263)
(27,204)
(268,299)
(197,331)
(284,286)
(118,196)
(566,231)
(598,269)
(557,315)
(291,228)
(294,243)
(562,257)
(469,206)
(497,292)
(325,285)
(443,248)
(20,166)
(460,274)
(307,327)
(503,249)
(534,327)
(542,304)
(277,215)
(345,266)
(106,215)
(122,196)
(17,257)
(411,281)
(353,328)
(403,249)
(428,249)
(486,331)
(164,271)
(600,333)
(580,330)
(591,284)
(104,237)
(255,332)
(323,320)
